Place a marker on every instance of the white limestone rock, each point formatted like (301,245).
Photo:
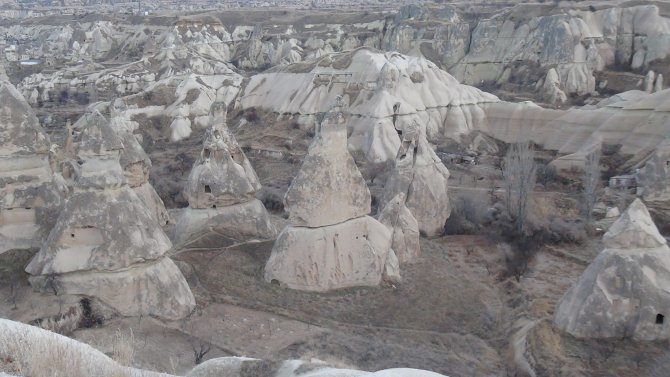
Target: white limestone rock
(652,181)
(181,125)
(634,230)
(623,292)
(404,229)
(349,254)
(136,164)
(329,189)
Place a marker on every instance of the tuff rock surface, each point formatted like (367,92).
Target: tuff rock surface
(106,242)
(30,193)
(404,229)
(329,189)
(320,251)
(422,178)
(221,191)
(623,292)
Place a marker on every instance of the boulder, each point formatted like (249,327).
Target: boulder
(623,292)
(349,254)
(612,212)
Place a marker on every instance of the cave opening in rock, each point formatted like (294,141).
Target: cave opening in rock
(208,189)
(660,318)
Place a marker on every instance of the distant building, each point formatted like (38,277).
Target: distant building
(627,181)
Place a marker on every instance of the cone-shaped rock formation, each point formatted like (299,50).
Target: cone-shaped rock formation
(30,196)
(330,241)
(106,243)
(422,177)
(221,190)
(624,292)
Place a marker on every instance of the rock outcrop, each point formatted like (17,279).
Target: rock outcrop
(106,243)
(623,293)
(649,81)
(372,83)
(221,191)
(238,367)
(136,164)
(658,85)
(552,88)
(421,176)
(528,40)
(320,252)
(30,193)
(404,229)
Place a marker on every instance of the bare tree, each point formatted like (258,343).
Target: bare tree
(200,352)
(519,180)
(590,182)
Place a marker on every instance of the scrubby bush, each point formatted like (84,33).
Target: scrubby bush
(525,244)
(467,214)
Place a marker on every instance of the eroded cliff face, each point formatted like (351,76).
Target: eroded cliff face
(515,46)
(521,44)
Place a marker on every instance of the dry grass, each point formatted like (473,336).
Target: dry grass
(123,349)
(32,352)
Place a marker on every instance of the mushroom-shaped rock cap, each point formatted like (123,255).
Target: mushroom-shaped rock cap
(20,131)
(96,137)
(634,230)
(329,188)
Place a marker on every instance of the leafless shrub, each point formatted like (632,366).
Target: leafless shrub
(590,182)
(519,181)
(200,351)
(467,214)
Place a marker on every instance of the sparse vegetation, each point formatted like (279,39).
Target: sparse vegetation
(590,181)
(519,181)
